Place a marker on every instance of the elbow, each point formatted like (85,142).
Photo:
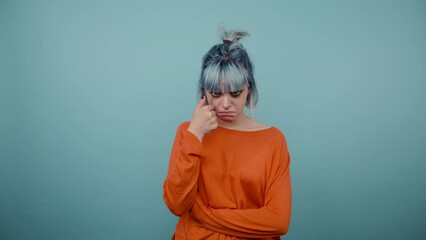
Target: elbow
(175,208)
(177,212)
(178,205)
(281,224)
(282,229)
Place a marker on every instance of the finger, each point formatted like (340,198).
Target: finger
(202,102)
(210,107)
(213,119)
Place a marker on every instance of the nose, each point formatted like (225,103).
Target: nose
(226,102)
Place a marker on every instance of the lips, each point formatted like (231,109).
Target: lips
(226,116)
(225,113)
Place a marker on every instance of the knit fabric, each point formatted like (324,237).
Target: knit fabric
(233,185)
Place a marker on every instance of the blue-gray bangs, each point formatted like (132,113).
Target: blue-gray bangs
(224,76)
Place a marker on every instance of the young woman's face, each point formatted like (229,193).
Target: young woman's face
(229,106)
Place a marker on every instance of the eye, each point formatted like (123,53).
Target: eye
(215,94)
(236,93)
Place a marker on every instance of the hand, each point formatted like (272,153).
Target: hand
(203,119)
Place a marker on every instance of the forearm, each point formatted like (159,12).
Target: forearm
(180,186)
(266,221)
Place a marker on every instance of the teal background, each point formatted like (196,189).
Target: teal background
(91,93)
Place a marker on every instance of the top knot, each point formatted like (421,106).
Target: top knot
(232,36)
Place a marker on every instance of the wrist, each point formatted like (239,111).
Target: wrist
(196,133)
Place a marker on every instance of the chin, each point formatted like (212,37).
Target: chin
(227,119)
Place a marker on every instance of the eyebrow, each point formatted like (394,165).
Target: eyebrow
(220,92)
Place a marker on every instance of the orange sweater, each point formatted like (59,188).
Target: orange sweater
(233,185)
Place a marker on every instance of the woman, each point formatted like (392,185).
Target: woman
(228,176)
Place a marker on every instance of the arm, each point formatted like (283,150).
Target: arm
(270,220)
(180,186)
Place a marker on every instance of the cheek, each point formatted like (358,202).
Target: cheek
(214,102)
(242,101)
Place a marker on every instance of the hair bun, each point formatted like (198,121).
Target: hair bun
(229,37)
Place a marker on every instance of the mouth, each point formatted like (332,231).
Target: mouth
(226,116)
(225,113)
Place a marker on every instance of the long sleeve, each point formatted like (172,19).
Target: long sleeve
(180,186)
(270,220)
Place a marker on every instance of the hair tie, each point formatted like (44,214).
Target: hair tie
(227,41)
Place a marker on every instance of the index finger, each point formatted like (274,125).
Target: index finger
(202,102)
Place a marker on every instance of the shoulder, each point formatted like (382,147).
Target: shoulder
(277,135)
(280,146)
(184,125)
(277,132)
